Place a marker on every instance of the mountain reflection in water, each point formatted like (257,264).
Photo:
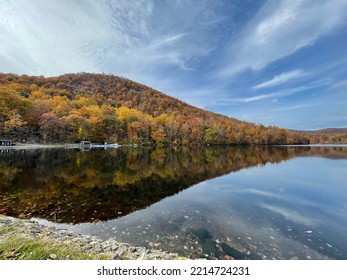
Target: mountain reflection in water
(70,186)
(79,188)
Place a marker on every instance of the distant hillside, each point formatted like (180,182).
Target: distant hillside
(102,107)
(325,136)
(326,131)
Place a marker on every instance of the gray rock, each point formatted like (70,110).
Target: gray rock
(52,256)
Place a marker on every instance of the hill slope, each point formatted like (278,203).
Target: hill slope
(101,108)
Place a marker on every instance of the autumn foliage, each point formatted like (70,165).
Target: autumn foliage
(100,108)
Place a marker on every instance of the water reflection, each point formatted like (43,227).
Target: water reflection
(73,187)
(296,209)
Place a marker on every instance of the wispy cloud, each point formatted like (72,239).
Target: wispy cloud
(294,107)
(124,37)
(48,37)
(281,79)
(278,94)
(258,97)
(340,85)
(280,29)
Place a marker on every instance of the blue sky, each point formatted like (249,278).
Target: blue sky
(280,62)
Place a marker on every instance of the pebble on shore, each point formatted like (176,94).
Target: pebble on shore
(111,249)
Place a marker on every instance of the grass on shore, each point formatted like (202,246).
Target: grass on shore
(17,247)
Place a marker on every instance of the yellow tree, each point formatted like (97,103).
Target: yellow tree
(14,123)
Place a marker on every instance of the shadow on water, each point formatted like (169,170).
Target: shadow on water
(69,186)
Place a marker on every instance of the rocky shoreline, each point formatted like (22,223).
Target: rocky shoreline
(109,249)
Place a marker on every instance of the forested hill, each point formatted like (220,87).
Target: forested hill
(100,107)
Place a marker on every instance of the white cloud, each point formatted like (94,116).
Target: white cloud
(281,79)
(278,94)
(258,97)
(46,37)
(128,38)
(340,85)
(280,29)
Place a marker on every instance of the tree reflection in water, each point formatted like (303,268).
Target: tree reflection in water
(69,186)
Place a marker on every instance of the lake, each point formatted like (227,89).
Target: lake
(258,202)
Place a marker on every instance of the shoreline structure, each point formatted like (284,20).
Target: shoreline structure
(16,234)
(32,146)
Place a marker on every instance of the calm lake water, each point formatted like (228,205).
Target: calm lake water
(214,202)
